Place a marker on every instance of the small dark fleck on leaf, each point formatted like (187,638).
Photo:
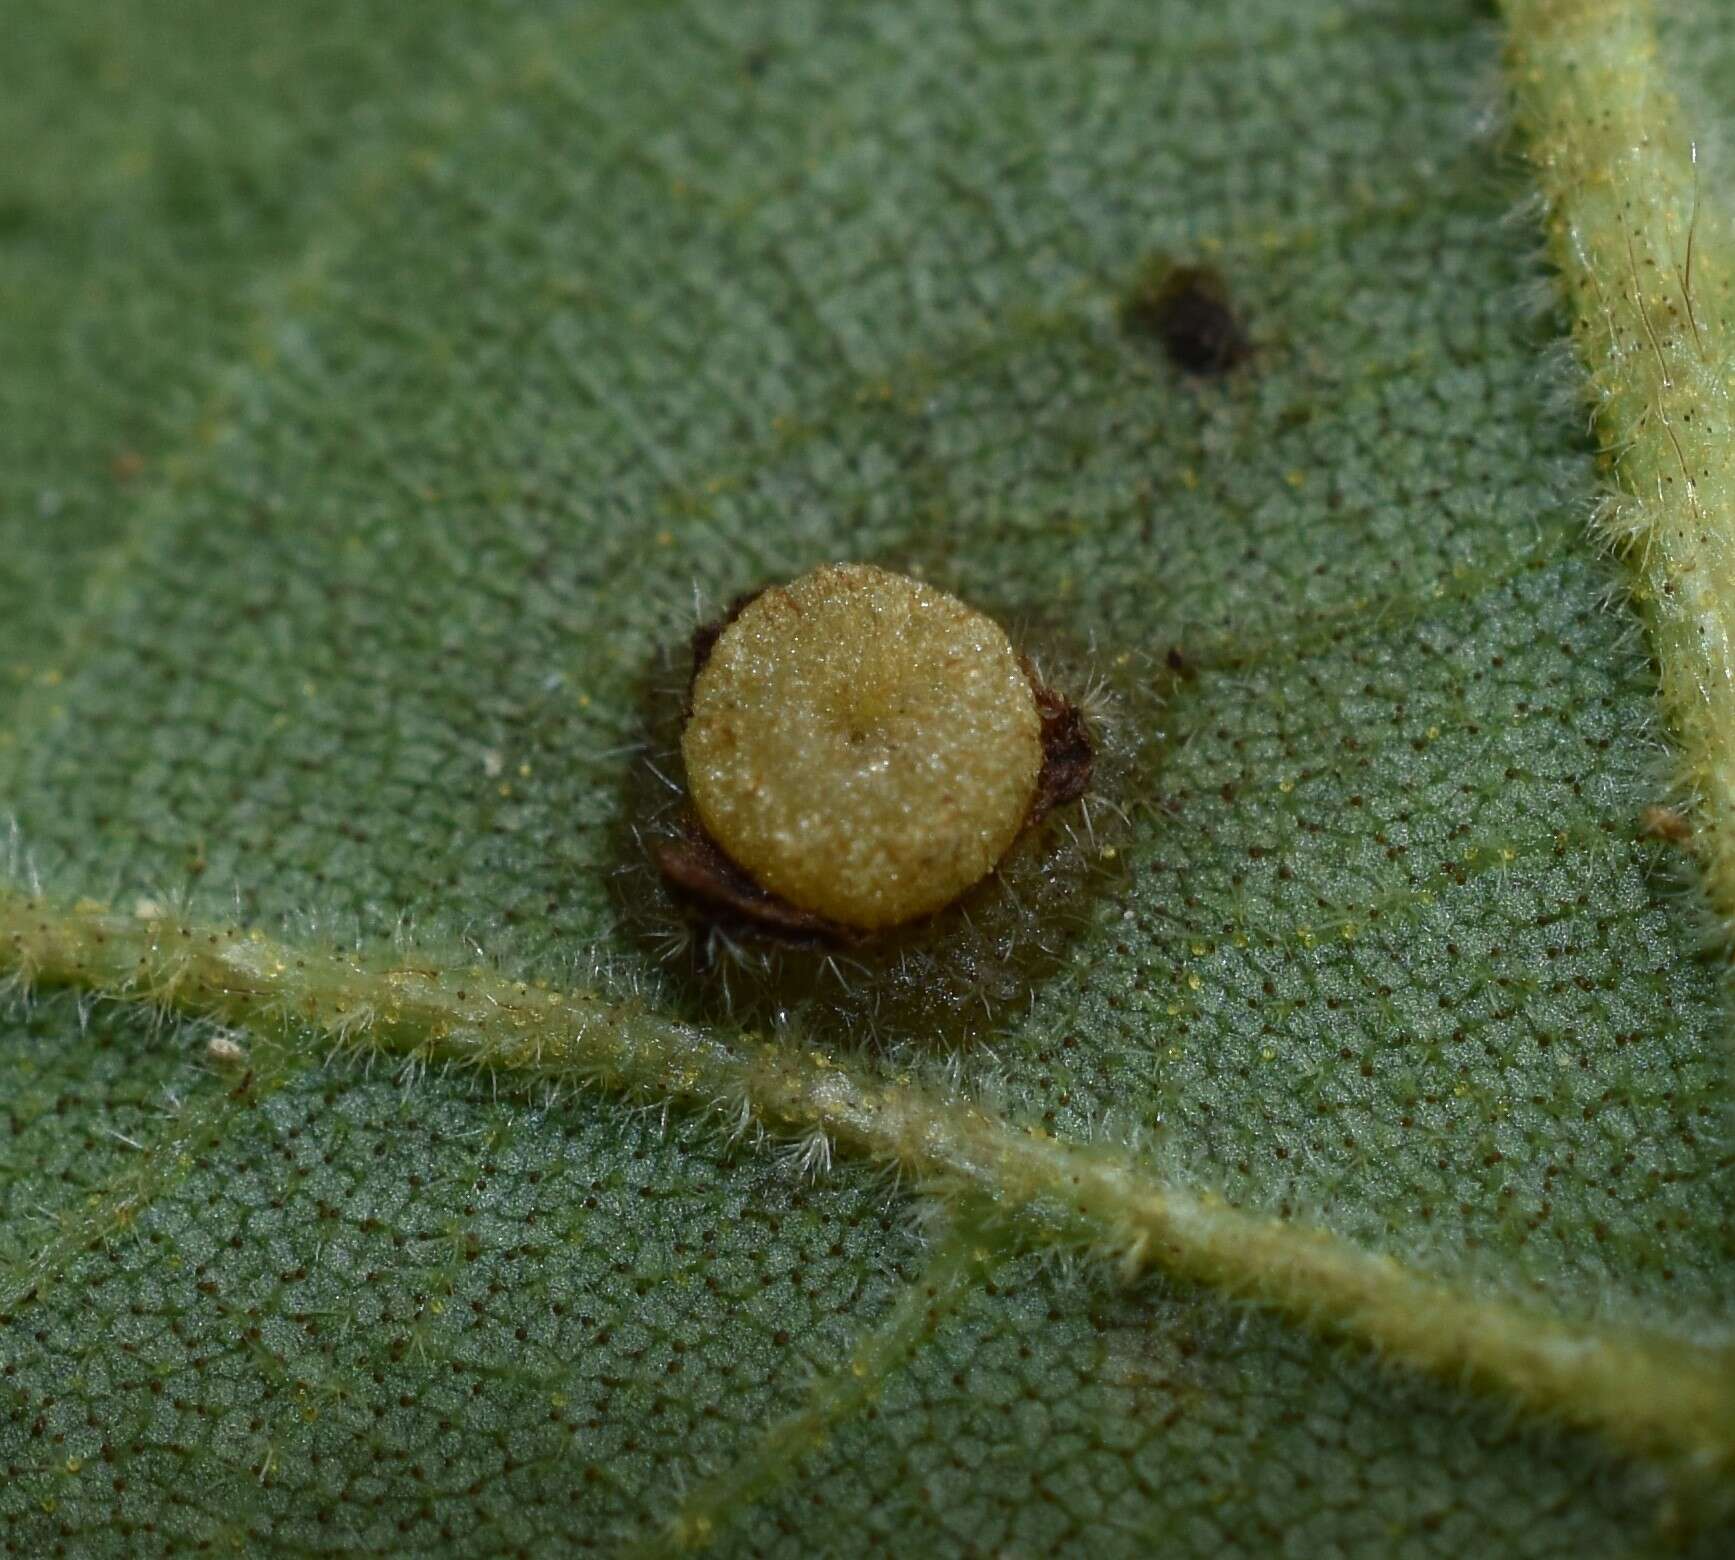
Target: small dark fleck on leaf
(1187,308)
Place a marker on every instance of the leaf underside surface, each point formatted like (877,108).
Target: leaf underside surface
(382,386)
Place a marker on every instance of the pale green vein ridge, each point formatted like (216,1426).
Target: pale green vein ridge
(1650,1394)
(707,1510)
(1646,265)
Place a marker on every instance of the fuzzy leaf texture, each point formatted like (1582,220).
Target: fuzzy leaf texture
(378,386)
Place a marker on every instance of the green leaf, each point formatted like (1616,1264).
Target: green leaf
(382,385)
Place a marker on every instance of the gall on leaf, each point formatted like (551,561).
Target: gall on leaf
(891,823)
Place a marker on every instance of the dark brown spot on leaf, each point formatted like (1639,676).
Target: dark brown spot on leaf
(1187,308)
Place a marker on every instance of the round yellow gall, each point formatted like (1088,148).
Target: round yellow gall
(863,745)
